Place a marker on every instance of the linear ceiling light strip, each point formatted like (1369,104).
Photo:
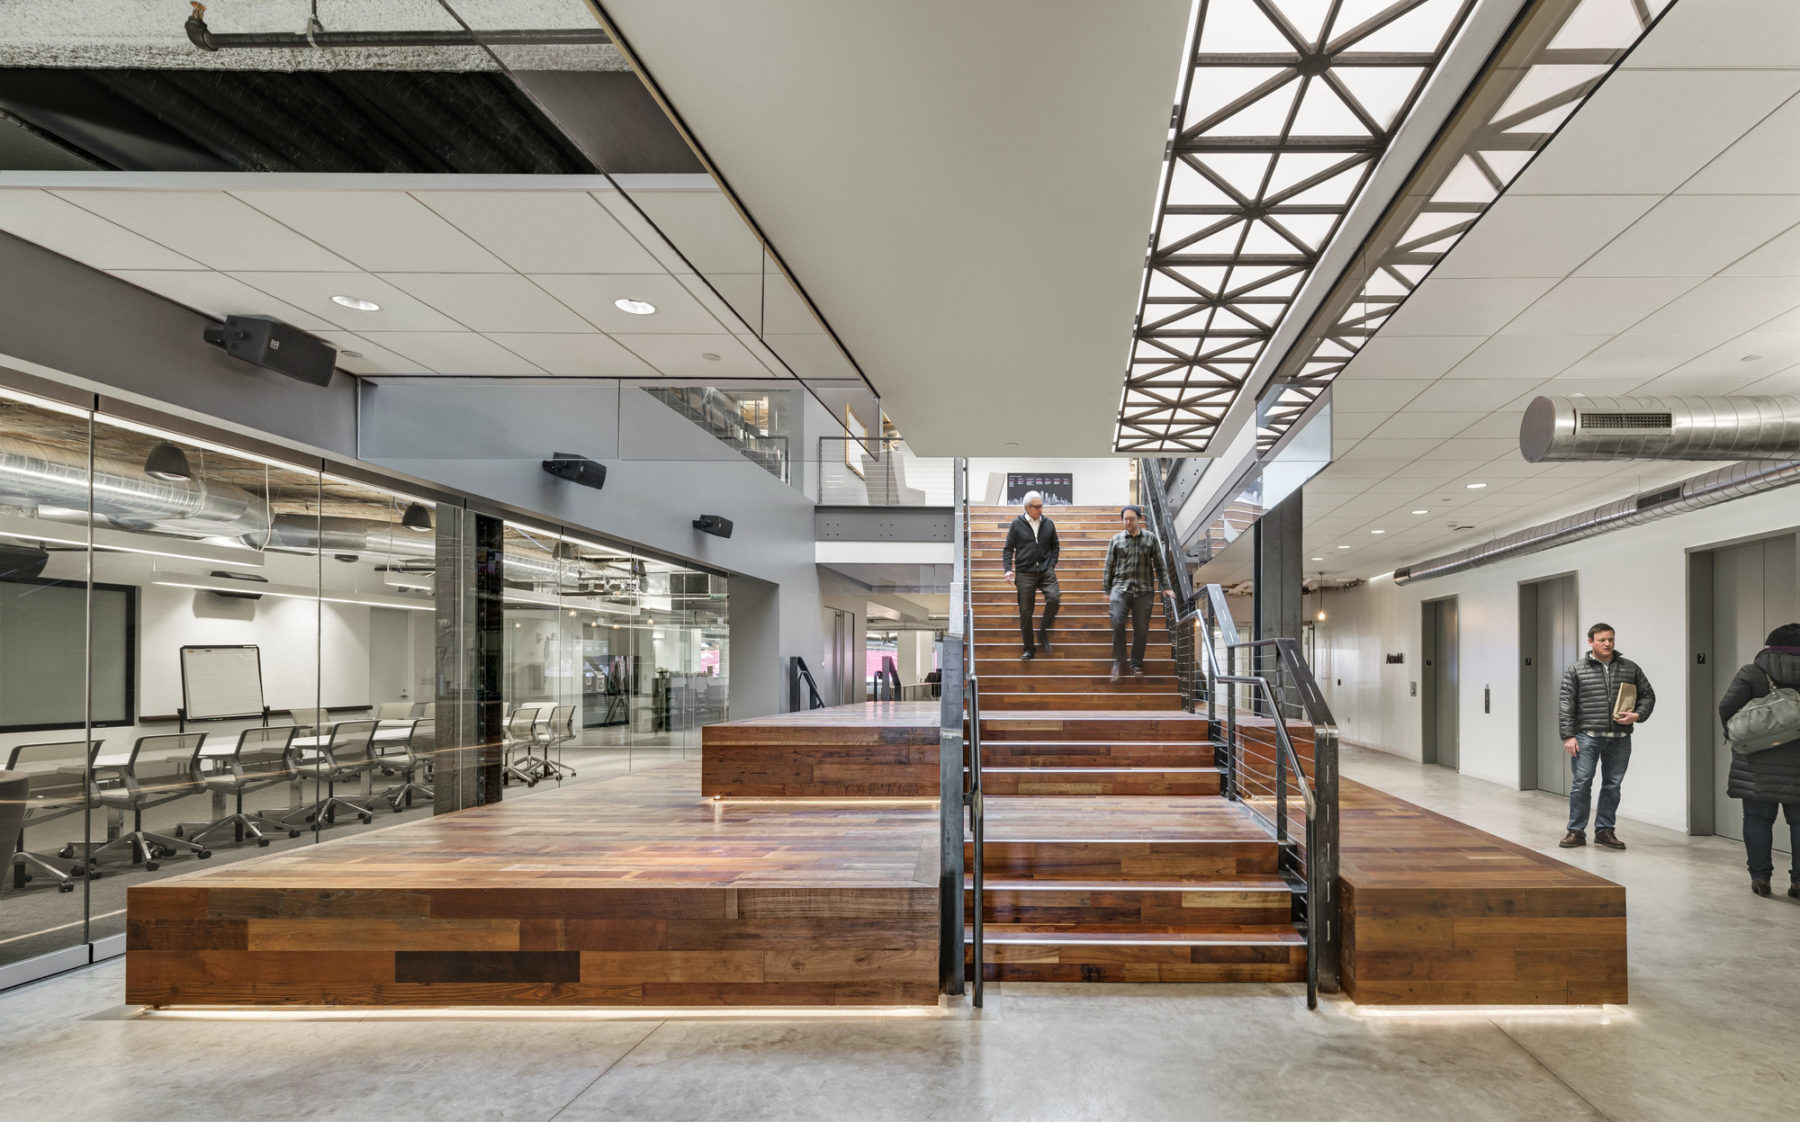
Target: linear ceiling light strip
(1288,106)
(1554,59)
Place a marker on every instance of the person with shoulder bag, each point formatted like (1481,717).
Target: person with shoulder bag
(1761,715)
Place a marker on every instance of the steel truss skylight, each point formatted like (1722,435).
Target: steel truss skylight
(1288,105)
(1544,72)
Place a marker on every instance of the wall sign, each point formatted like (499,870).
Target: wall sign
(1057,489)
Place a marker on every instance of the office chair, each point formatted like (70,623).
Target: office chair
(345,756)
(406,758)
(308,722)
(555,728)
(518,737)
(394,711)
(116,784)
(260,757)
(424,710)
(49,795)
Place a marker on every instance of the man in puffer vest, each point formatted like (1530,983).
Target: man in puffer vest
(1770,779)
(1595,737)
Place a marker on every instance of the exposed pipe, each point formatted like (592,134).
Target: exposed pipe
(1698,492)
(316,37)
(1558,429)
(33,475)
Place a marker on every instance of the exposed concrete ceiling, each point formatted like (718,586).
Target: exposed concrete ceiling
(965,190)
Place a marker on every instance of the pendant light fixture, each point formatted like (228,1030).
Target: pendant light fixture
(417,519)
(168,463)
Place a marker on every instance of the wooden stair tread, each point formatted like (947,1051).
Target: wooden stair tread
(1020,884)
(1035,933)
(989,769)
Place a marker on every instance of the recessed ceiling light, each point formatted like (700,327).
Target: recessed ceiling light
(1421,512)
(1474,486)
(1749,358)
(357,302)
(1343,547)
(351,354)
(635,307)
(1318,559)
(1012,444)
(1377,531)
(709,356)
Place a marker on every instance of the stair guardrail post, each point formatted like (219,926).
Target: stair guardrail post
(958,659)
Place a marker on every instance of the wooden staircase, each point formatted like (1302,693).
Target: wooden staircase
(1109,855)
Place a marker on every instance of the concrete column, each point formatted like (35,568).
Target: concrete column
(1278,608)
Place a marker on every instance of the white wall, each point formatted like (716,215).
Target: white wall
(1099,480)
(1634,579)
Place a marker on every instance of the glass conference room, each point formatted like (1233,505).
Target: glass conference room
(192,631)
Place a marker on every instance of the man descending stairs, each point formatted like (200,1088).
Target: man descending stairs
(1109,854)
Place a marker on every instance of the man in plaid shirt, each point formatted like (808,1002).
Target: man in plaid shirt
(1134,564)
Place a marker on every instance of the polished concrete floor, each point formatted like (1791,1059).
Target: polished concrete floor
(1710,1033)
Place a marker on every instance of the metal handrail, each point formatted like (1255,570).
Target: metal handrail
(977,826)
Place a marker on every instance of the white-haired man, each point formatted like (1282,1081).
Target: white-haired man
(1030,560)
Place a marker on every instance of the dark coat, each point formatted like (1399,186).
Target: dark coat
(1587,701)
(1032,555)
(1771,776)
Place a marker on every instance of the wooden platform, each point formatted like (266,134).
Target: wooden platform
(1437,912)
(629,891)
(880,749)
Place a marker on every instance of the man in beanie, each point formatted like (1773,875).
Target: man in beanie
(1770,779)
(1596,729)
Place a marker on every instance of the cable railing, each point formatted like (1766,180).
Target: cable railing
(960,767)
(1178,599)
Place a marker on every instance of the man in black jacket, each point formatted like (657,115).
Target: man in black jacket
(1596,738)
(1769,780)
(1030,559)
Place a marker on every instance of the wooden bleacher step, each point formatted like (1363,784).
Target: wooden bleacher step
(1051,953)
(1100,781)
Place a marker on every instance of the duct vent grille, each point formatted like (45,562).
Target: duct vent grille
(1658,498)
(1627,421)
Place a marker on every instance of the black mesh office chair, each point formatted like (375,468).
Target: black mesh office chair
(132,783)
(50,793)
(406,757)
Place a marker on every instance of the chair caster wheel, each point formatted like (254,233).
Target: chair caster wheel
(367,818)
(262,843)
(151,866)
(204,854)
(293,833)
(178,832)
(66,886)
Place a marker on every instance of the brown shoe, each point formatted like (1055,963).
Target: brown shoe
(1761,888)
(1608,839)
(1572,839)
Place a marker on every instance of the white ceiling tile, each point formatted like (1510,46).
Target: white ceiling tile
(1762,161)
(1697,383)
(1414,422)
(1451,397)
(209,226)
(1721,33)
(740,306)
(1779,258)
(490,301)
(1364,469)
(63,227)
(589,355)
(1373,395)
(1465,307)
(1414,356)
(1398,447)
(370,358)
(1590,305)
(218,295)
(1541,235)
(1643,357)
(677,312)
(1694,235)
(1648,131)
(1353,426)
(1728,304)
(1482,449)
(453,352)
(544,231)
(1787,381)
(705,226)
(1526,358)
(683,356)
(381,231)
(1743,360)
(1492,425)
(314,291)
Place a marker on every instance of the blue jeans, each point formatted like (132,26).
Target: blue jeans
(1611,754)
(1759,838)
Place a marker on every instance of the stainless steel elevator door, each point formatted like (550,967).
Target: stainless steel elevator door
(1754,592)
(1560,639)
(1440,683)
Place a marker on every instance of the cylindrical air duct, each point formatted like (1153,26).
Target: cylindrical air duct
(1660,428)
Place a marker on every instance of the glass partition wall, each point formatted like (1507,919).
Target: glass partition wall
(207,654)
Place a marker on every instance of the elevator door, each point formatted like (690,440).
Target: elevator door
(1753,594)
(1557,646)
(1440,683)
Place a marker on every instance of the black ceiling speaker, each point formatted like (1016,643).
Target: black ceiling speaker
(267,342)
(576,469)
(232,594)
(715,524)
(167,462)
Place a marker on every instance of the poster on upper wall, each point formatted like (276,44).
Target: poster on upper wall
(1058,489)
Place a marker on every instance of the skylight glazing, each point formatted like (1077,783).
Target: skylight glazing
(1551,64)
(1287,106)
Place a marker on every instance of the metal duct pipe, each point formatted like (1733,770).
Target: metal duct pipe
(40,475)
(1710,489)
(1660,428)
(338,534)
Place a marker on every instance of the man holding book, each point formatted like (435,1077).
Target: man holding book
(1604,696)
